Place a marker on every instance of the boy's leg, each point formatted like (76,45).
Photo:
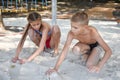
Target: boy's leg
(81,49)
(94,56)
(55,39)
(34,36)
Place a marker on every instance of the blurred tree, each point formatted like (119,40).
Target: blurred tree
(117,1)
(1,22)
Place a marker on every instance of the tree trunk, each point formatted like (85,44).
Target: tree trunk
(2,28)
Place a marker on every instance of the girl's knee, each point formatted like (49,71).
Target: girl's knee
(56,29)
(32,37)
(56,34)
(30,33)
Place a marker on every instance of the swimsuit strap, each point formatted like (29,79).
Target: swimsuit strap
(49,33)
(37,31)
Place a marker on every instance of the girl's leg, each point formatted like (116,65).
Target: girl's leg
(34,37)
(55,39)
(94,57)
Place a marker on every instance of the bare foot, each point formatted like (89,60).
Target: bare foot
(55,54)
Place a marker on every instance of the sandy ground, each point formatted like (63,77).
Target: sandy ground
(71,68)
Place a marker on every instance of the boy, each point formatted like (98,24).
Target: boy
(89,44)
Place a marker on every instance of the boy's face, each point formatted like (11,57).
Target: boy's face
(76,28)
(36,24)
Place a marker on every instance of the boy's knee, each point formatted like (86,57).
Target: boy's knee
(76,50)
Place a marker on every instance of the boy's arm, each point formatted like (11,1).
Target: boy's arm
(106,48)
(64,51)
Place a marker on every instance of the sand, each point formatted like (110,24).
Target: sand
(72,67)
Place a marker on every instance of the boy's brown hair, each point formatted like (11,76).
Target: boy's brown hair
(80,17)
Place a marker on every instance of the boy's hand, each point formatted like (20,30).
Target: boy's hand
(94,69)
(50,71)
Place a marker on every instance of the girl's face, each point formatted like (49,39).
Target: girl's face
(36,24)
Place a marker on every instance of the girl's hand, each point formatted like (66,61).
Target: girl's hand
(50,71)
(22,61)
(14,59)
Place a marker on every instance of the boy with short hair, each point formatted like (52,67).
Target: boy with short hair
(90,44)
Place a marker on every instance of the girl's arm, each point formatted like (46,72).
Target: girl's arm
(41,44)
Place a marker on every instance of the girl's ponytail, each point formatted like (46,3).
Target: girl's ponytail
(24,34)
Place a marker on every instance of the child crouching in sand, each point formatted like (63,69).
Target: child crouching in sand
(89,44)
(42,34)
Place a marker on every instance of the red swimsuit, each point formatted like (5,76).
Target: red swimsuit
(48,40)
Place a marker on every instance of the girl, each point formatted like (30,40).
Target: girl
(41,34)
